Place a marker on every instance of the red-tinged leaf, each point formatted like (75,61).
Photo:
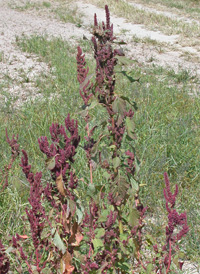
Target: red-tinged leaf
(72,207)
(23,236)
(120,189)
(79,238)
(60,184)
(66,264)
(76,237)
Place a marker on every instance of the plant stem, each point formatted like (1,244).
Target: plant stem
(169,263)
(90,164)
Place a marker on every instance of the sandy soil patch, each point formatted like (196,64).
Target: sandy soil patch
(15,23)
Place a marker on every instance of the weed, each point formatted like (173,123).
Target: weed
(46,4)
(105,231)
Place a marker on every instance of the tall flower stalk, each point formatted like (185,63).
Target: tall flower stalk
(107,236)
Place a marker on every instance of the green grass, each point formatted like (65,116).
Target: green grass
(158,46)
(167,129)
(68,14)
(30,5)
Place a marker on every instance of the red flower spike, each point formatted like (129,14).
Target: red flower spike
(175,221)
(82,72)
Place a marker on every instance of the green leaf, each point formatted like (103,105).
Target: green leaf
(132,245)
(119,106)
(133,218)
(99,271)
(124,60)
(120,42)
(134,184)
(79,214)
(119,255)
(121,230)
(129,77)
(103,216)
(132,103)
(120,190)
(122,248)
(91,189)
(106,175)
(150,240)
(149,269)
(58,242)
(97,243)
(46,270)
(112,147)
(137,165)
(176,260)
(130,126)
(123,237)
(99,233)
(95,148)
(72,206)
(116,162)
(124,266)
(9,249)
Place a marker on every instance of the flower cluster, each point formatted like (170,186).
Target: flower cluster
(104,258)
(105,60)
(62,151)
(175,221)
(174,218)
(13,144)
(36,214)
(82,76)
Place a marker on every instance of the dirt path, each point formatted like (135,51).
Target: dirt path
(167,52)
(158,48)
(15,63)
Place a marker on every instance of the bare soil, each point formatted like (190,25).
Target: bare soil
(15,63)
